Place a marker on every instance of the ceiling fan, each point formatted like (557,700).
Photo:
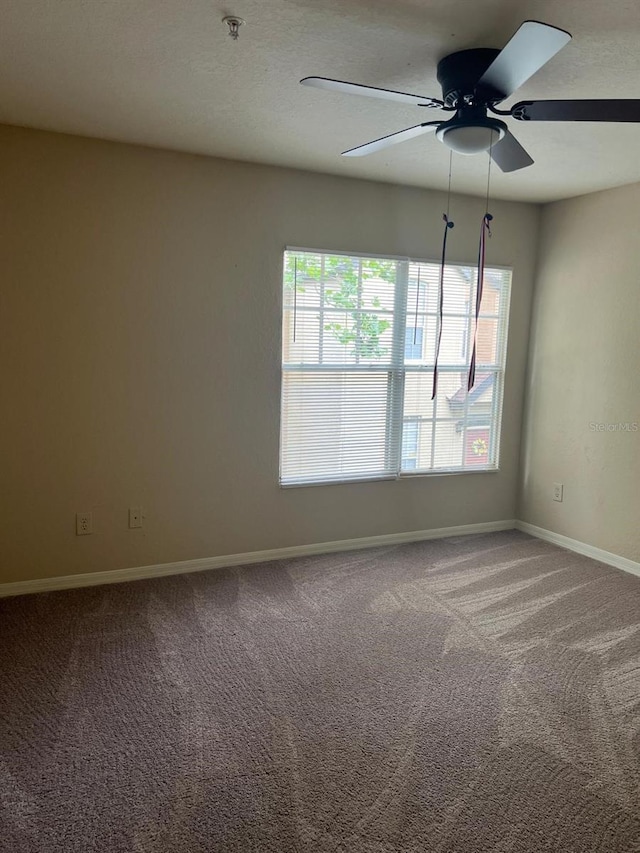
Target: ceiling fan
(473,83)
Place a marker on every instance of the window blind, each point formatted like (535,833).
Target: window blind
(359,336)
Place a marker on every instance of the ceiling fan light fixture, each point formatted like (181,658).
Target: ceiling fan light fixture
(471,138)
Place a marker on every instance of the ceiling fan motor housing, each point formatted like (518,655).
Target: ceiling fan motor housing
(470,130)
(458,74)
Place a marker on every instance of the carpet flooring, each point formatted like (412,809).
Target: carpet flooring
(466,695)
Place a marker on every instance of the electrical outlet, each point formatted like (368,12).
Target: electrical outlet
(84,524)
(135,517)
(558,490)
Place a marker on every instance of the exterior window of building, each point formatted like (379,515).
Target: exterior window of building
(413,343)
(359,338)
(410,444)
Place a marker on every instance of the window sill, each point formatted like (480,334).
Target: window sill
(391,479)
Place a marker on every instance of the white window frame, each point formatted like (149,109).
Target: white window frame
(398,373)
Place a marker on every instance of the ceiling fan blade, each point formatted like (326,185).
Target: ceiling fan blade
(603,110)
(392,139)
(370,91)
(509,155)
(531,47)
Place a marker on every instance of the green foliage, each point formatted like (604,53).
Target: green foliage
(363,330)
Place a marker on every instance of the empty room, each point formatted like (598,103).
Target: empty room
(319,505)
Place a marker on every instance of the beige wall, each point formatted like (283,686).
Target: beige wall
(140,347)
(584,371)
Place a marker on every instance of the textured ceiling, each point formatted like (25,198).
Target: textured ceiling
(164,73)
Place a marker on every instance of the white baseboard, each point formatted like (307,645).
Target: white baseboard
(580,547)
(207,563)
(186,566)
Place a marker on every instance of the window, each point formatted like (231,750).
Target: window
(410,443)
(413,343)
(359,337)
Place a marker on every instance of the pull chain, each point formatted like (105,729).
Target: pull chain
(449,186)
(486,205)
(485,231)
(448,224)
